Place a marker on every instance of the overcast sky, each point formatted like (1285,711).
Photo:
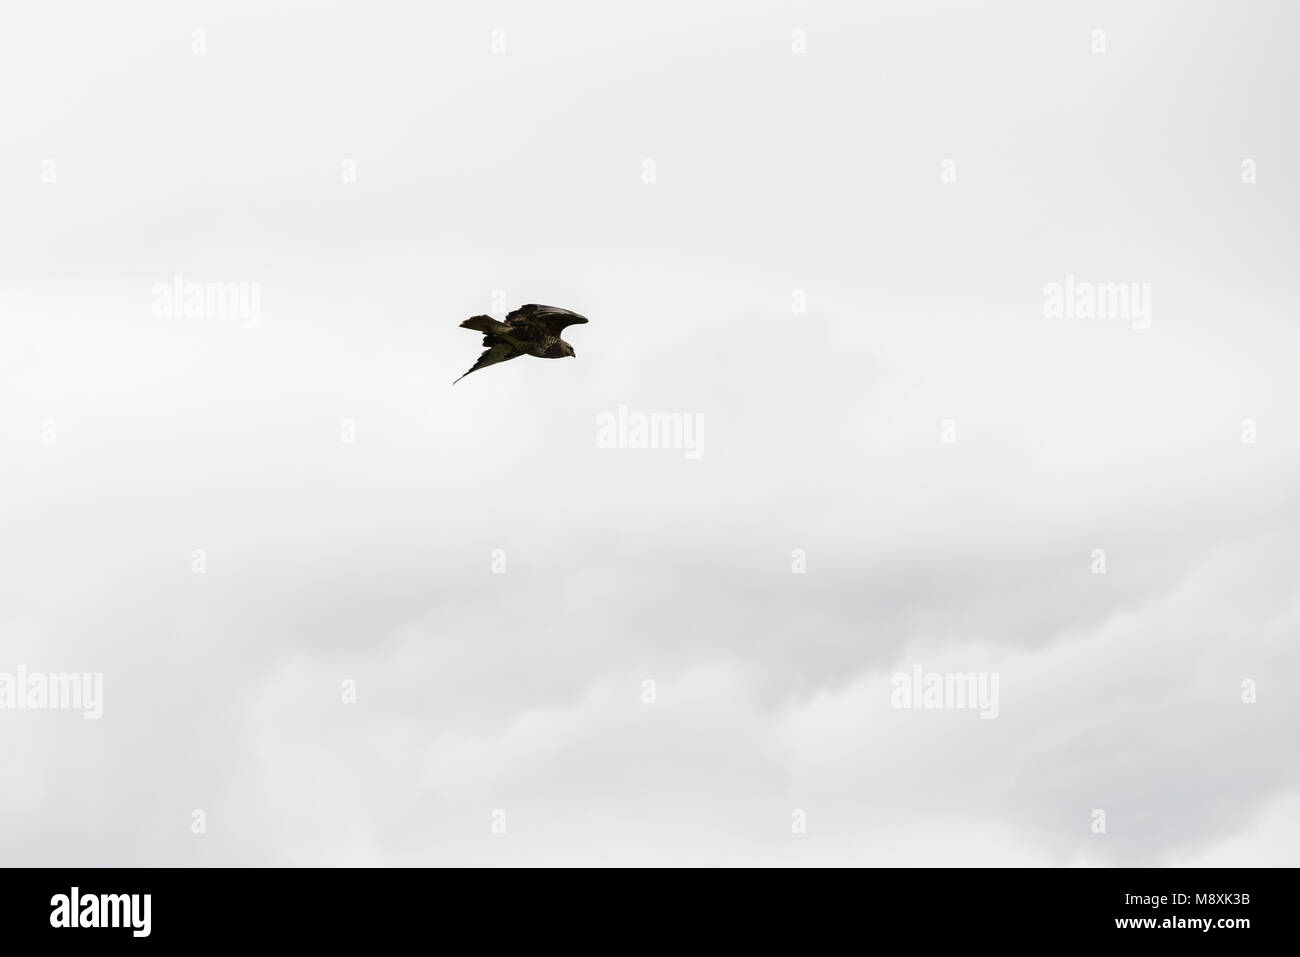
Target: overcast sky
(824,230)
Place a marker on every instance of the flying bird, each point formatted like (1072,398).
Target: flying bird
(530,330)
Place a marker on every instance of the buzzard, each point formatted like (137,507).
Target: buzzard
(530,330)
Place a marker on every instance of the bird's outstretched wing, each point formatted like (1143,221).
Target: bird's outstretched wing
(550,319)
(499,352)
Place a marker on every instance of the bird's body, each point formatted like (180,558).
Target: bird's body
(530,330)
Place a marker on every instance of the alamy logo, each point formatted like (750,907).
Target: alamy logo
(653,430)
(53,691)
(1077,299)
(179,299)
(102,910)
(946,689)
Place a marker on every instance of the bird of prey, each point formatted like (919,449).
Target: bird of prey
(530,330)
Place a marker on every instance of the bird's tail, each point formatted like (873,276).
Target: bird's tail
(484,324)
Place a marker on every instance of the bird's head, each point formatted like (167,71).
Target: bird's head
(567,349)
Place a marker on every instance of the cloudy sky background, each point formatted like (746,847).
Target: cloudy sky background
(520,174)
